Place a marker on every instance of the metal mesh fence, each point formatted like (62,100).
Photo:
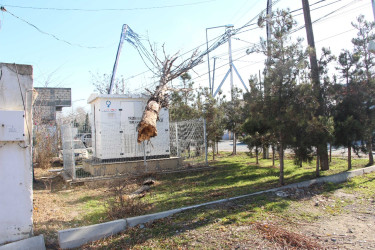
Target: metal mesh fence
(114,147)
(68,156)
(188,141)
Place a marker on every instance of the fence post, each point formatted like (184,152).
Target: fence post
(73,173)
(177,144)
(144,156)
(205,140)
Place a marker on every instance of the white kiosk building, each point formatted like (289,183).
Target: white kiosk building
(114,120)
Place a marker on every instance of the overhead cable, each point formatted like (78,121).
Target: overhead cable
(110,9)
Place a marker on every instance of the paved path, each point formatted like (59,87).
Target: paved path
(227,146)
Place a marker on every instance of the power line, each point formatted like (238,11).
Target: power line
(110,9)
(251,24)
(334,35)
(320,19)
(49,34)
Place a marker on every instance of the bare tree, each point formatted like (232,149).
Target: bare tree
(165,70)
(159,98)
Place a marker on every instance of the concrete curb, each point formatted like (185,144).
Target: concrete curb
(76,237)
(33,243)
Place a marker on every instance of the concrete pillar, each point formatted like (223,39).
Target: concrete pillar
(16,196)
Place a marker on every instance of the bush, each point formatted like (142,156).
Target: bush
(45,145)
(121,203)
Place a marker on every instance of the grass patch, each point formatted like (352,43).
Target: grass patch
(232,176)
(214,226)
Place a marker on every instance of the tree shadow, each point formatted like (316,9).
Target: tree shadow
(245,210)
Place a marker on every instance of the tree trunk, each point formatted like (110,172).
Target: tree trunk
(217,147)
(369,149)
(317,173)
(213,151)
(281,156)
(147,126)
(265,152)
(323,155)
(257,155)
(273,156)
(330,152)
(234,144)
(349,157)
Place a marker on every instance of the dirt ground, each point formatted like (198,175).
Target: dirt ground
(59,208)
(341,220)
(352,228)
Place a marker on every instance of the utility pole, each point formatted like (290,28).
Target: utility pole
(208,59)
(322,148)
(124,31)
(371,46)
(229,33)
(208,62)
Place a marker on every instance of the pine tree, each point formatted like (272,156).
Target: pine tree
(347,112)
(365,67)
(284,65)
(233,116)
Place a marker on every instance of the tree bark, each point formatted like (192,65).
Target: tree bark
(265,149)
(273,156)
(234,144)
(323,155)
(317,172)
(213,151)
(349,157)
(257,155)
(281,156)
(330,152)
(147,126)
(370,156)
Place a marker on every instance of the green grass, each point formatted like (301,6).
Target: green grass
(172,233)
(94,210)
(232,176)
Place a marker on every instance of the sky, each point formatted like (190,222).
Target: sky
(67,42)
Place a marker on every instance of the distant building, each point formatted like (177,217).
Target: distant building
(49,101)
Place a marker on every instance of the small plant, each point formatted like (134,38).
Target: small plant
(122,203)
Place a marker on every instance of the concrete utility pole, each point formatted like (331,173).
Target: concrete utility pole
(229,33)
(322,149)
(371,45)
(125,28)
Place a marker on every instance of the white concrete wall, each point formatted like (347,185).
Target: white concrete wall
(16,197)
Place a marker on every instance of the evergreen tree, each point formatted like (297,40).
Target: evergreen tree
(286,61)
(182,101)
(213,114)
(234,116)
(365,67)
(347,113)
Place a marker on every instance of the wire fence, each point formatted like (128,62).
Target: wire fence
(112,149)
(68,155)
(188,141)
